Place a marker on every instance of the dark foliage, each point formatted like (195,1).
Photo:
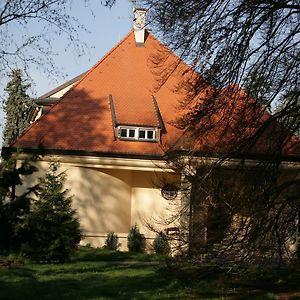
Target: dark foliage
(13,207)
(112,241)
(17,107)
(161,244)
(233,47)
(136,241)
(51,231)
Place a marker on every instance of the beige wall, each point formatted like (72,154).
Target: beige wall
(116,195)
(148,206)
(102,199)
(114,199)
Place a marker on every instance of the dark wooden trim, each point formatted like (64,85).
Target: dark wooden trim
(46,101)
(113,111)
(9,150)
(62,86)
(40,151)
(158,114)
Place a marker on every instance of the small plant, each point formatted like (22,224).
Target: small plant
(112,241)
(136,241)
(161,244)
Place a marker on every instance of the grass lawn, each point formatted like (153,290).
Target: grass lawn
(98,274)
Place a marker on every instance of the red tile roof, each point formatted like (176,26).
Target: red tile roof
(82,120)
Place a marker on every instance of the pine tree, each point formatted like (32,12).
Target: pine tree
(51,233)
(16,107)
(13,208)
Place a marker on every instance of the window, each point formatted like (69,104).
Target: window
(142,134)
(123,132)
(147,134)
(169,191)
(137,133)
(150,134)
(131,133)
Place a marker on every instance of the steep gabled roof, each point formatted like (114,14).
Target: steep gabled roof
(82,120)
(128,86)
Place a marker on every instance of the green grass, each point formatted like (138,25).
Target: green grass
(96,254)
(102,274)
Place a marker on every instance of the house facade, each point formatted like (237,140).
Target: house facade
(110,129)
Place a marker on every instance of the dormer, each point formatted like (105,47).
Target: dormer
(141,126)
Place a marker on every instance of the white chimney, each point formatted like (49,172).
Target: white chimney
(139,25)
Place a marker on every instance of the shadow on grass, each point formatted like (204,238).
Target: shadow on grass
(117,283)
(103,280)
(79,281)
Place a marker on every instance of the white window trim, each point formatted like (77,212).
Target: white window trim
(136,133)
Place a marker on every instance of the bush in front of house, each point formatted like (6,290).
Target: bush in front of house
(51,231)
(112,241)
(136,241)
(161,244)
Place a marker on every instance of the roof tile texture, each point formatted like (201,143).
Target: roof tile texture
(82,119)
(132,75)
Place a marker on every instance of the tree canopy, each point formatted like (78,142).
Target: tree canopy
(27,28)
(237,42)
(235,47)
(17,107)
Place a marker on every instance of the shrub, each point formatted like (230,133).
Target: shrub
(112,241)
(136,241)
(161,244)
(51,232)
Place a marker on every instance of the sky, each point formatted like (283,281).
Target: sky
(104,29)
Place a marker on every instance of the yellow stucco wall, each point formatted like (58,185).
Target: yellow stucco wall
(101,198)
(148,206)
(114,200)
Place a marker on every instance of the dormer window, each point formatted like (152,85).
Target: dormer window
(137,133)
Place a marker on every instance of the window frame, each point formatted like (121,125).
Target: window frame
(137,131)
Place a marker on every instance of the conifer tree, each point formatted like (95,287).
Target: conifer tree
(13,207)
(51,232)
(16,107)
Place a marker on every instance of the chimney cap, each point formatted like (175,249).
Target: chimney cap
(139,25)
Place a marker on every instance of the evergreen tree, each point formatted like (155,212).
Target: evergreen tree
(13,207)
(17,107)
(136,241)
(51,232)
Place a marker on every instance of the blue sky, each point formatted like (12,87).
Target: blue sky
(105,28)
